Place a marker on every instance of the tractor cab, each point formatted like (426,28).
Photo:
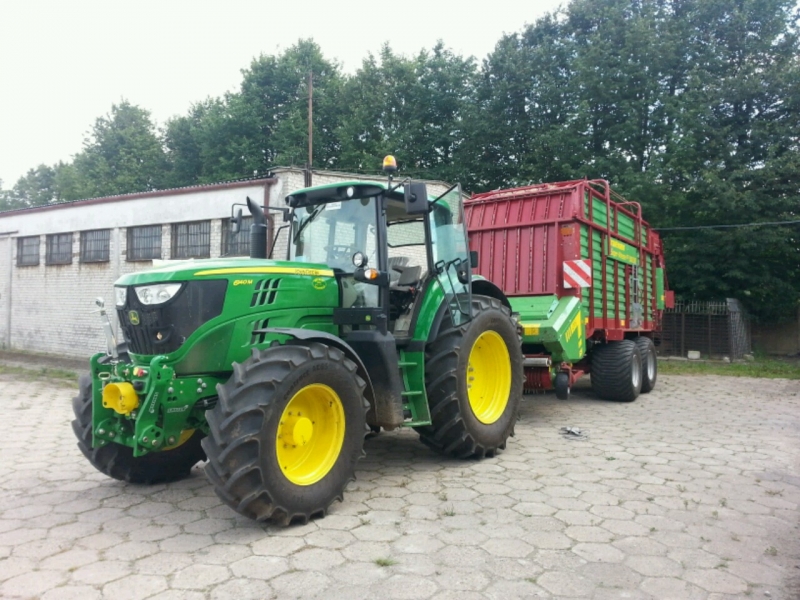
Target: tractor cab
(382,254)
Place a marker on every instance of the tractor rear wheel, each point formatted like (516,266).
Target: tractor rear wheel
(616,370)
(649,363)
(287,432)
(118,461)
(474,380)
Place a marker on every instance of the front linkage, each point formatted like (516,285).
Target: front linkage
(149,408)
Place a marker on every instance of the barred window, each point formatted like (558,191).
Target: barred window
(28,251)
(191,240)
(59,249)
(144,243)
(236,244)
(95,245)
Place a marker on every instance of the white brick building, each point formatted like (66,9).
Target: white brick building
(56,259)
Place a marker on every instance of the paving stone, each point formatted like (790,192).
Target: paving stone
(260,567)
(277,546)
(72,592)
(672,588)
(403,588)
(198,577)
(221,554)
(186,542)
(32,584)
(562,583)
(598,552)
(612,575)
(135,587)
(462,579)
(582,533)
(511,548)
(178,595)
(366,551)
(360,573)
(101,572)
(316,559)
(504,590)
(716,580)
(417,544)
(165,563)
(241,588)
(300,584)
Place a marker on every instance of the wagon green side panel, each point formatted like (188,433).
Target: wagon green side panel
(558,324)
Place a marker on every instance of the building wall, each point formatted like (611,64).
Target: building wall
(51,308)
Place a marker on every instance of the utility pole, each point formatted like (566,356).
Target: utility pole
(310,127)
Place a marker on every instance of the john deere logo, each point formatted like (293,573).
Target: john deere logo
(133,317)
(319,283)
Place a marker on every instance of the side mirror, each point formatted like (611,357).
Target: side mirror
(473,259)
(236,222)
(415,195)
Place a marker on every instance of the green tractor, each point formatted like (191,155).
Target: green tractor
(274,371)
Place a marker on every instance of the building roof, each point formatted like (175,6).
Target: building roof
(238,183)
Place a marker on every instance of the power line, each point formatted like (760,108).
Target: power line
(739,225)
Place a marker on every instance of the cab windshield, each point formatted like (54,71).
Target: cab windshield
(332,232)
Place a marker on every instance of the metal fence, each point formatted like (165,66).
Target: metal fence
(715,329)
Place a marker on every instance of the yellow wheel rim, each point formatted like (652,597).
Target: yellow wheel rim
(489,377)
(310,434)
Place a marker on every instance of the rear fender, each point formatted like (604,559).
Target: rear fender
(480,287)
(303,336)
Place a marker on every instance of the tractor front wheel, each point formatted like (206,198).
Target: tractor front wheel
(118,461)
(474,380)
(287,432)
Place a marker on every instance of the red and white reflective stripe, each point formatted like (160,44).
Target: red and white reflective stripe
(578,273)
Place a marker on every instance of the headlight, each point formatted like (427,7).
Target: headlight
(157,294)
(121,296)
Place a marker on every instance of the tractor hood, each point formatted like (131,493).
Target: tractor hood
(188,270)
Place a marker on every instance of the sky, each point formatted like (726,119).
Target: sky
(64,63)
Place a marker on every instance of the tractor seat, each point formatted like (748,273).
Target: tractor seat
(406,278)
(396,261)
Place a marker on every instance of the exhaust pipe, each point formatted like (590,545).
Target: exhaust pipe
(258,230)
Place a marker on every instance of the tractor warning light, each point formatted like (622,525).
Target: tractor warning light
(389,164)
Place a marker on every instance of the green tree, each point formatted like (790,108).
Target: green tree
(262,125)
(123,154)
(737,159)
(522,126)
(36,187)
(411,107)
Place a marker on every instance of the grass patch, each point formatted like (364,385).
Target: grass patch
(762,366)
(33,373)
(385,562)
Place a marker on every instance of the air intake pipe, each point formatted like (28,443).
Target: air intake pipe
(258,231)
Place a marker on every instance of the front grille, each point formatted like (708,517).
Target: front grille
(163,328)
(265,292)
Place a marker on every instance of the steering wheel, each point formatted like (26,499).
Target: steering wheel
(339,254)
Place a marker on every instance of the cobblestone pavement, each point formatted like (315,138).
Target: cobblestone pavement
(691,492)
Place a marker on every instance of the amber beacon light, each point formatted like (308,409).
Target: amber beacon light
(389,164)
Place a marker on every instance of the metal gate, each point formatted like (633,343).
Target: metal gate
(715,329)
